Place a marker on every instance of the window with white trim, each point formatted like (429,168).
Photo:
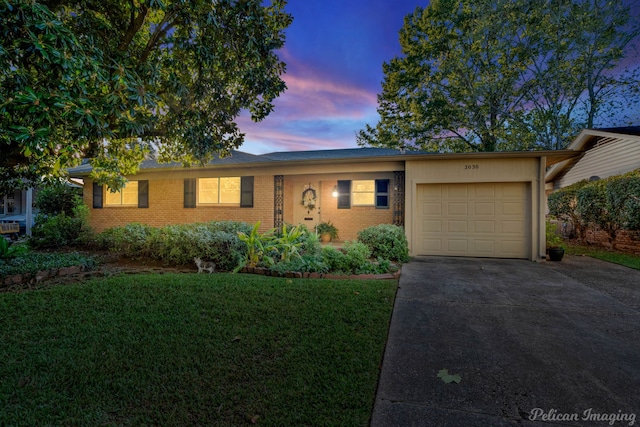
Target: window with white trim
(363,192)
(127,196)
(219,191)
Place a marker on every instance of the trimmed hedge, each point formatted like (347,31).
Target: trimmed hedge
(610,204)
(386,241)
(216,241)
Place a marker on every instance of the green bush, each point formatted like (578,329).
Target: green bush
(335,260)
(215,241)
(56,198)
(357,254)
(61,224)
(386,241)
(32,262)
(623,198)
(304,263)
(562,205)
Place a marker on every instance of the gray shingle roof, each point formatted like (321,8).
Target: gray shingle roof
(242,158)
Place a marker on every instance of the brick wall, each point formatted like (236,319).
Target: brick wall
(166,200)
(350,221)
(166,206)
(627,241)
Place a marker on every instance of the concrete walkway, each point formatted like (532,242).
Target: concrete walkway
(533,344)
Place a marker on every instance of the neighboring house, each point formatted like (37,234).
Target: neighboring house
(17,206)
(604,153)
(472,204)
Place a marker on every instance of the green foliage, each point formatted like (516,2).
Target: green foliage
(178,244)
(169,74)
(31,262)
(623,195)
(487,75)
(357,254)
(354,258)
(594,208)
(57,197)
(258,247)
(562,205)
(610,204)
(387,241)
(304,263)
(289,242)
(327,227)
(233,246)
(552,237)
(9,250)
(61,224)
(335,260)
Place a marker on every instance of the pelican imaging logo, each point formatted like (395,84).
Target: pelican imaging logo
(553,415)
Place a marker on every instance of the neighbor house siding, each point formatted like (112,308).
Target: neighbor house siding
(613,158)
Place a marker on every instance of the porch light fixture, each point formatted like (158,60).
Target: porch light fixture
(334,193)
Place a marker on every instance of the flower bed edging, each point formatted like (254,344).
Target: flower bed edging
(24,278)
(307,275)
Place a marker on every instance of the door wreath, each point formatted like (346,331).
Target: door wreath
(309,198)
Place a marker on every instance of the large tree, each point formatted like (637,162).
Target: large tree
(487,75)
(112,79)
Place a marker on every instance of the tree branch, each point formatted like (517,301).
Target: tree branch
(165,25)
(134,26)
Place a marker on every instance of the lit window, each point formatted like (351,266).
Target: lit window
(128,196)
(364,192)
(219,190)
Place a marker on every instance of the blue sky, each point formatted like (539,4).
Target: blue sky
(334,54)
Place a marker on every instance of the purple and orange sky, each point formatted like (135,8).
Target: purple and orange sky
(334,54)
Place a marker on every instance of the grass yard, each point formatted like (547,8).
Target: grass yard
(628,260)
(187,349)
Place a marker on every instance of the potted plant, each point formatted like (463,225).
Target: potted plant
(554,243)
(327,231)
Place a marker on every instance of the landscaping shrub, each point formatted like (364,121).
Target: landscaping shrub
(32,262)
(56,198)
(357,254)
(215,241)
(335,260)
(386,241)
(562,205)
(623,197)
(305,263)
(61,229)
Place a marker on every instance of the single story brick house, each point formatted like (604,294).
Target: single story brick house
(471,204)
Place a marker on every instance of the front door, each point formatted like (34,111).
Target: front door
(306,203)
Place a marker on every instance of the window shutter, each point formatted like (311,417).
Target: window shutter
(382,193)
(143,194)
(246,192)
(344,194)
(190,193)
(97,196)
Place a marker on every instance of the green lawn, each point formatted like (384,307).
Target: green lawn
(189,349)
(628,260)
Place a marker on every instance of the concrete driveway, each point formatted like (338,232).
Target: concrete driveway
(533,344)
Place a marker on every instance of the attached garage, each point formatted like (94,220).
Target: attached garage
(491,219)
(477,204)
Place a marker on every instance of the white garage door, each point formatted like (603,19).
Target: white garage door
(478,219)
